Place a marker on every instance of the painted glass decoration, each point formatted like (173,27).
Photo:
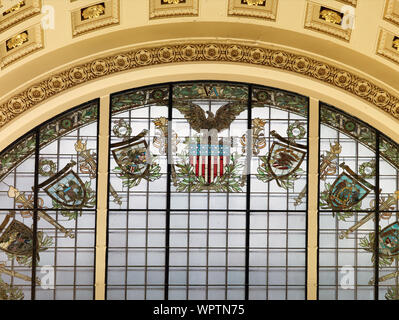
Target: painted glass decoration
(186,160)
(48,202)
(358,203)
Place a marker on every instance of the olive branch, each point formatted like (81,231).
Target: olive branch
(128,181)
(187,181)
(10,292)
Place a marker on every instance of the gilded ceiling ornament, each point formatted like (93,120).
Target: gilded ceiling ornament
(172,1)
(331,16)
(93,11)
(254,2)
(18,6)
(17,40)
(395,43)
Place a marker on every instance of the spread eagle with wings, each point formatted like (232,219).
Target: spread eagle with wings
(220,121)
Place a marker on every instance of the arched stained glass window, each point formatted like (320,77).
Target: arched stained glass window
(358,204)
(207,198)
(213,193)
(48,205)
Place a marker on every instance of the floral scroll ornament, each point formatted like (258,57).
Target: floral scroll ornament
(160,140)
(89,166)
(258,136)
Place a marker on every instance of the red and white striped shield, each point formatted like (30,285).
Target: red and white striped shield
(209,160)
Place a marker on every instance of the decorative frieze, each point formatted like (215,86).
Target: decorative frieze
(200,51)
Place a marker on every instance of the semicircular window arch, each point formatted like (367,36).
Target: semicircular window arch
(207,199)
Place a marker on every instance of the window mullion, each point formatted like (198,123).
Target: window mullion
(102,197)
(312,198)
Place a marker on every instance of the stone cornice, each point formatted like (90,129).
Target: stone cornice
(201,51)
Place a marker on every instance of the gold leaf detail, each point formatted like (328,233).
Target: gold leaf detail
(17,40)
(93,12)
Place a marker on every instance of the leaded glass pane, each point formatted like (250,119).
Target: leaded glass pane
(59,160)
(193,182)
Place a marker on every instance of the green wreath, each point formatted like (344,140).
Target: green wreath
(47,164)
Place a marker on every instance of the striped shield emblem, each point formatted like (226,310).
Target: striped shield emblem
(209,160)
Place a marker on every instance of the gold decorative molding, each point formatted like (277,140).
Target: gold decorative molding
(23,10)
(265,10)
(18,46)
(317,21)
(199,51)
(392,11)
(162,8)
(387,45)
(95,16)
(350,2)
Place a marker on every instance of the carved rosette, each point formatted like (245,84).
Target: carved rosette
(121,62)
(381,99)
(342,79)
(17,105)
(78,75)
(3,118)
(99,67)
(56,84)
(234,53)
(257,55)
(362,88)
(189,52)
(36,93)
(212,52)
(143,57)
(301,64)
(166,54)
(279,59)
(322,71)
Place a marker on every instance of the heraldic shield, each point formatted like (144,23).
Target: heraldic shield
(66,188)
(285,157)
(132,155)
(348,190)
(17,239)
(209,160)
(389,240)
